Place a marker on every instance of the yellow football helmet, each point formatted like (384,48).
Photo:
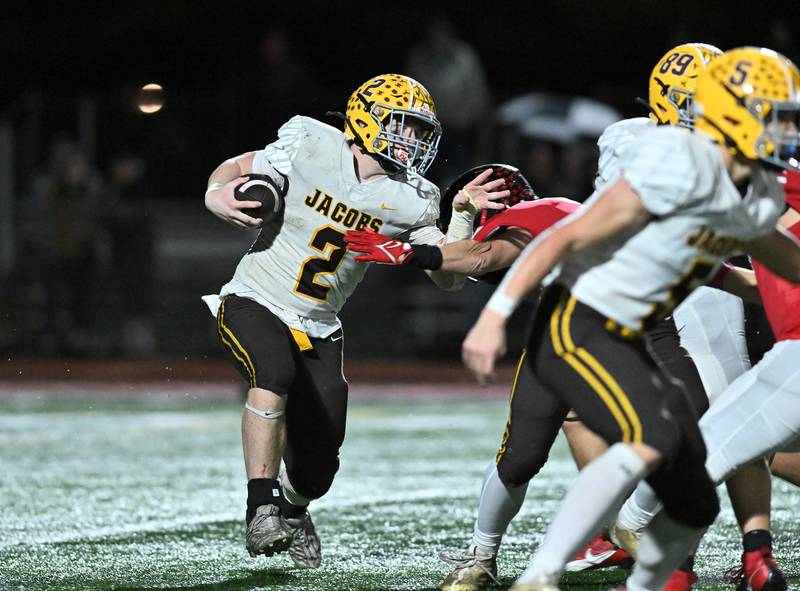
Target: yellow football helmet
(393,117)
(672,83)
(748,100)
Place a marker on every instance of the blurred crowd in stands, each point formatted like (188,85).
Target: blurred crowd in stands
(85,255)
(84,280)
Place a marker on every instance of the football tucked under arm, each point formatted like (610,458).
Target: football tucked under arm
(263,189)
(220,197)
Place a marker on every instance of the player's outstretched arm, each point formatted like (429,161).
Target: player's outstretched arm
(779,251)
(473,258)
(618,208)
(450,258)
(219,196)
(465,257)
(738,281)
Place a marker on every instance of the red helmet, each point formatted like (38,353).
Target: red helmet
(515,182)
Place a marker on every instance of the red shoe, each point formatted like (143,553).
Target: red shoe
(599,553)
(759,572)
(681,580)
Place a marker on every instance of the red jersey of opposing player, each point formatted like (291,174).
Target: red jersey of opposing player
(533,216)
(781,298)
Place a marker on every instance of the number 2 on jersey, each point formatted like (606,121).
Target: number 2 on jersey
(329,242)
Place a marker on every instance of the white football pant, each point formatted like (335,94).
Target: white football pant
(756,415)
(710,324)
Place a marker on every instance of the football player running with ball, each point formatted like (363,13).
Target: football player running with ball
(277,317)
(622,263)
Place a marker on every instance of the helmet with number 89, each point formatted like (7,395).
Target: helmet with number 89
(672,83)
(749,101)
(393,118)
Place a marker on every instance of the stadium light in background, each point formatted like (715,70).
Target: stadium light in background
(150,98)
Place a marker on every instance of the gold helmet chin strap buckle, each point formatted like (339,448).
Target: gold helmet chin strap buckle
(264,414)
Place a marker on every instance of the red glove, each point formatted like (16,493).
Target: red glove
(377,248)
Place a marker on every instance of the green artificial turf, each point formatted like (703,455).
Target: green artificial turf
(147,496)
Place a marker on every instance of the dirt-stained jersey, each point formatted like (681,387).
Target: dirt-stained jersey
(699,219)
(298,266)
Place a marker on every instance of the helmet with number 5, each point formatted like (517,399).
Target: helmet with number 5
(393,118)
(749,101)
(672,82)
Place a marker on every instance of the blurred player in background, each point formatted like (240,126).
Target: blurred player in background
(277,318)
(624,261)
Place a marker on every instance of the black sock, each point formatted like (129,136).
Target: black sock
(758,538)
(688,564)
(268,491)
(262,491)
(291,511)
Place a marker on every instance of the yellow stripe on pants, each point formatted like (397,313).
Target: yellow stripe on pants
(507,432)
(241,355)
(603,373)
(558,323)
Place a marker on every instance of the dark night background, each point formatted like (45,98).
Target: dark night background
(72,72)
(202,53)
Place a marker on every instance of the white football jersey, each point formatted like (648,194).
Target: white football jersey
(613,142)
(699,219)
(298,266)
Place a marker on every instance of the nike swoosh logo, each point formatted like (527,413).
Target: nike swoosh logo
(387,208)
(593,558)
(337,339)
